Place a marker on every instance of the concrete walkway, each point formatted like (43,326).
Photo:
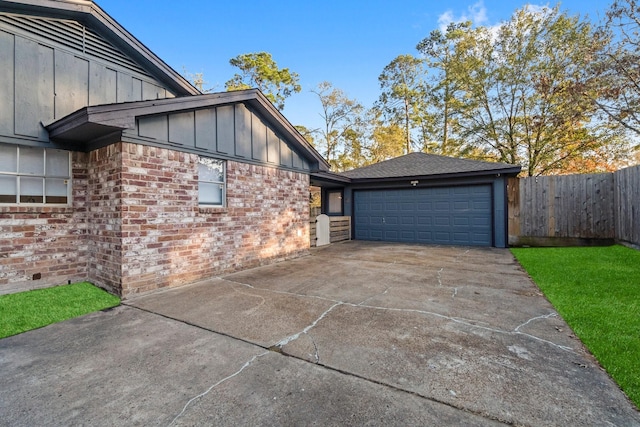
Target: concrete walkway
(357,333)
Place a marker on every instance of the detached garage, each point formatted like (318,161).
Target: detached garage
(422,198)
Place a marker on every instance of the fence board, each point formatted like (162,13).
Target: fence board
(569,209)
(339,229)
(627,205)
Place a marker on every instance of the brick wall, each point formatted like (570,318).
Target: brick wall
(135,225)
(104,217)
(167,240)
(46,246)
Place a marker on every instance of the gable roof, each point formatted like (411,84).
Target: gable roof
(423,164)
(99,121)
(92,16)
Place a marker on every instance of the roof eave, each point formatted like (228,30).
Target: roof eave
(468,174)
(122,116)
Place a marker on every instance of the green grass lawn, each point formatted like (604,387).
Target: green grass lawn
(24,311)
(597,292)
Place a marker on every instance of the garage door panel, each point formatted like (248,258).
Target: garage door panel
(446,215)
(481,205)
(443,237)
(391,220)
(482,190)
(442,206)
(461,206)
(461,238)
(424,206)
(424,221)
(390,236)
(461,221)
(442,221)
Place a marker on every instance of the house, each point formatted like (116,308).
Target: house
(115,170)
(422,198)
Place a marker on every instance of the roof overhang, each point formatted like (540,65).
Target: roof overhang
(330,179)
(95,122)
(462,174)
(94,17)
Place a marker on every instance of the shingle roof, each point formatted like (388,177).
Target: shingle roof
(423,164)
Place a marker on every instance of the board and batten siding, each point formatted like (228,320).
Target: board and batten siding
(50,68)
(226,131)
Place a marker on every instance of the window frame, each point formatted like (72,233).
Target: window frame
(223,184)
(43,176)
(340,194)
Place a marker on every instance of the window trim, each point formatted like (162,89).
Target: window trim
(18,175)
(222,183)
(340,193)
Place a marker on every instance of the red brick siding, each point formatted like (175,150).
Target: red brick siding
(47,241)
(135,225)
(167,240)
(104,217)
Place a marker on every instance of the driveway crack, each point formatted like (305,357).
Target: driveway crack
(193,399)
(516,331)
(294,337)
(375,295)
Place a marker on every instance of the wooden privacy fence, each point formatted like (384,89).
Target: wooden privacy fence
(575,209)
(339,229)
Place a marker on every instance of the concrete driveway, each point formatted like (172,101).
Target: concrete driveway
(356,334)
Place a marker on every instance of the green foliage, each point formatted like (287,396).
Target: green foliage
(445,99)
(521,93)
(24,311)
(546,90)
(340,136)
(306,134)
(597,292)
(618,66)
(403,93)
(259,70)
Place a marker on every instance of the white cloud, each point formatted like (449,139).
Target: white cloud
(539,9)
(476,13)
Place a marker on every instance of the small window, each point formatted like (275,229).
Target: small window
(31,175)
(334,202)
(211,182)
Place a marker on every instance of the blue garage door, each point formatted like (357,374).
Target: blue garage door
(460,215)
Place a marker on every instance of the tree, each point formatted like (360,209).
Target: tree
(340,115)
(520,93)
(261,71)
(306,134)
(403,93)
(197,80)
(443,93)
(618,66)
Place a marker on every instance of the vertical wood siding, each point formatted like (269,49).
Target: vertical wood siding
(229,131)
(627,205)
(570,208)
(50,68)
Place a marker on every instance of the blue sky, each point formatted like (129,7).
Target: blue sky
(347,43)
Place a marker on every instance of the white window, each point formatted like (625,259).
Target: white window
(211,182)
(31,175)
